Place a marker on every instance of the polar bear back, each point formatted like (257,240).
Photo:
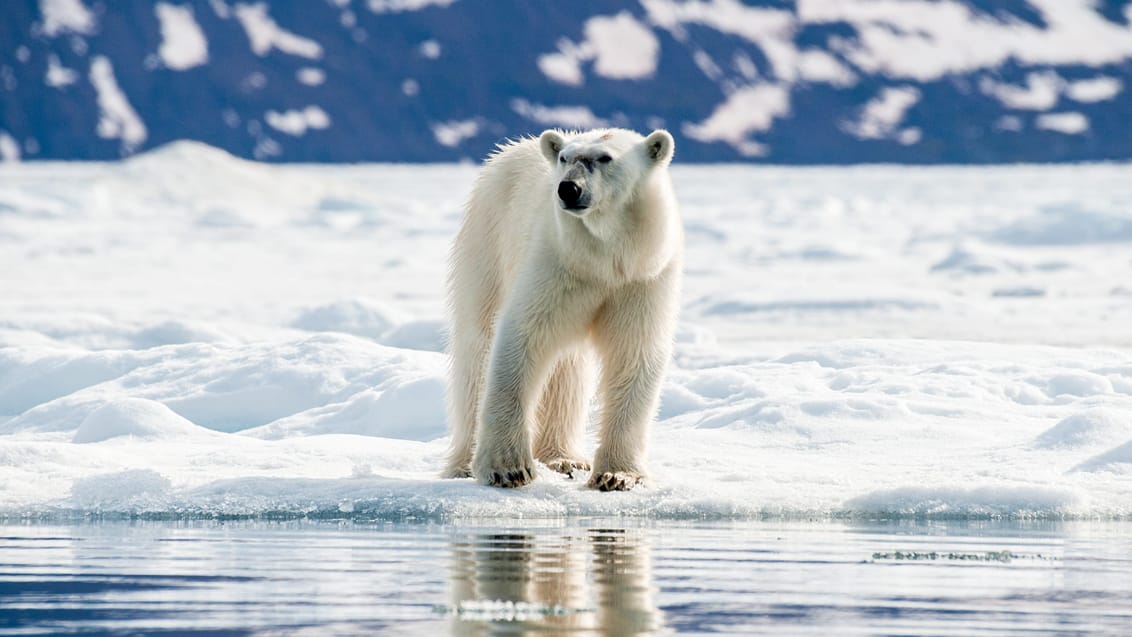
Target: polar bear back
(500,222)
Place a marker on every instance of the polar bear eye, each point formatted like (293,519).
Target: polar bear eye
(605,159)
(562,158)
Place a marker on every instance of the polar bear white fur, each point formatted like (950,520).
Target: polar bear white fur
(571,243)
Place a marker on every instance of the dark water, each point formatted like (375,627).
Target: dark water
(602,577)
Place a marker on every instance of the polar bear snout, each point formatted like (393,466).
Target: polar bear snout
(572,196)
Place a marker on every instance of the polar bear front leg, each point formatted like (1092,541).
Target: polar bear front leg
(562,412)
(543,317)
(634,336)
(503,446)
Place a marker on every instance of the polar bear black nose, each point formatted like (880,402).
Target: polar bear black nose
(569,192)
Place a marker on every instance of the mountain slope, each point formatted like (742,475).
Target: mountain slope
(812,81)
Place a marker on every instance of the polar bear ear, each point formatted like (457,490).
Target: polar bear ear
(551,143)
(659,146)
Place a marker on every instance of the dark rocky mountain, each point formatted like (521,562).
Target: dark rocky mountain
(811,81)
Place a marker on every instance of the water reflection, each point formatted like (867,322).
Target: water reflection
(597,581)
(590,577)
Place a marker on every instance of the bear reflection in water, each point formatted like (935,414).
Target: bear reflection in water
(518,584)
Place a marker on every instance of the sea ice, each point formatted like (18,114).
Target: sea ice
(185,333)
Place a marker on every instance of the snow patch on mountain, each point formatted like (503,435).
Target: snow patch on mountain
(882,115)
(298,121)
(66,16)
(310,76)
(58,75)
(620,48)
(749,110)
(916,39)
(1040,92)
(1070,123)
(9,148)
(1097,89)
(397,6)
(183,45)
(117,118)
(568,117)
(264,34)
(452,133)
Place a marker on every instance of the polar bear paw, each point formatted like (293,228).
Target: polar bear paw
(452,473)
(509,470)
(614,480)
(510,478)
(567,465)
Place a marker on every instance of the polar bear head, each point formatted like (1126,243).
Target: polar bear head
(602,169)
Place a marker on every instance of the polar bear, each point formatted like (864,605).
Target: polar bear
(571,244)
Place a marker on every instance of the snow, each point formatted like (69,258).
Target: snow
(882,115)
(58,75)
(818,66)
(563,67)
(134,417)
(1070,123)
(310,76)
(569,117)
(1097,89)
(450,134)
(117,118)
(771,29)
(398,6)
(66,16)
(624,49)
(1040,93)
(920,39)
(430,49)
(619,46)
(185,333)
(9,148)
(748,110)
(264,34)
(297,122)
(183,45)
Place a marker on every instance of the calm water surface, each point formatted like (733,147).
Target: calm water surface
(603,577)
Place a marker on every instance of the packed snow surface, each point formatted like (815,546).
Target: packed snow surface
(185,333)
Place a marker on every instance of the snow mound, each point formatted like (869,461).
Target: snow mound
(407,409)
(186,153)
(177,332)
(967,261)
(33,376)
(1074,383)
(223,388)
(133,417)
(1097,426)
(427,335)
(1066,224)
(359,317)
(377,321)
(1117,460)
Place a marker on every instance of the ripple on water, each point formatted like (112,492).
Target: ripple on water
(578,577)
